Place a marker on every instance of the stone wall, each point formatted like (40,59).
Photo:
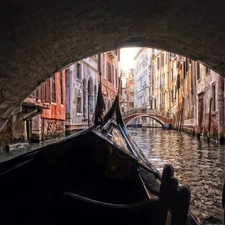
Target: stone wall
(52,128)
(12,132)
(6,135)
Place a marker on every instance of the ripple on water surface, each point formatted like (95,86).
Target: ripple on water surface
(199,165)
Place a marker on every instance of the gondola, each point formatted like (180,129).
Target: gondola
(98,175)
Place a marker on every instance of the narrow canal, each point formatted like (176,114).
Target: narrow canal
(198,165)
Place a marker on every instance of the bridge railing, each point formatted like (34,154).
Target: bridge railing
(142,110)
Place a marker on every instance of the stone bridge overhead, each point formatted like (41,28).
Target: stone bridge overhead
(41,37)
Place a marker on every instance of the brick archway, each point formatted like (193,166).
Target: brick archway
(40,37)
(159,118)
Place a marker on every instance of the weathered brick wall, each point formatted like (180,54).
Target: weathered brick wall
(13,132)
(52,128)
(6,136)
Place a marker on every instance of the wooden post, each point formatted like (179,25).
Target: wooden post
(180,206)
(174,200)
(223,202)
(164,194)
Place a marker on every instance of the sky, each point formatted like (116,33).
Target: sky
(127,58)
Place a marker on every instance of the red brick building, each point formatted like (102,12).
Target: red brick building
(42,115)
(51,97)
(110,70)
(53,119)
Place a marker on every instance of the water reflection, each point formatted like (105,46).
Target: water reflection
(199,165)
(4,156)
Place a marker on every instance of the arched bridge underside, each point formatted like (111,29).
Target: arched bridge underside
(41,37)
(159,118)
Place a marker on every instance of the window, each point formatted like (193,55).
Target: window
(187,64)
(162,85)
(184,69)
(158,63)
(198,70)
(104,66)
(42,86)
(45,91)
(48,90)
(213,98)
(171,75)
(113,75)
(78,105)
(53,89)
(78,71)
(37,93)
(109,75)
(178,81)
(162,59)
(61,87)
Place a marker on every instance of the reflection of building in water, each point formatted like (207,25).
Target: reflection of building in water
(149,122)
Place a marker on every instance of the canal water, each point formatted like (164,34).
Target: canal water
(198,165)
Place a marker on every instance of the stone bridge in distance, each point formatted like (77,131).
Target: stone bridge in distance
(151,113)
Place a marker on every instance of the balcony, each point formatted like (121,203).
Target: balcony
(36,102)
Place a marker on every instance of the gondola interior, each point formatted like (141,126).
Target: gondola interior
(35,190)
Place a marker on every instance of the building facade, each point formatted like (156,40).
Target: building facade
(186,92)
(50,122)
(81,88)
(160,80)
(109,68)
(142,81)
(130,90)
(66,101)
(190,93)
(142,77)
(210,103)
(127,91)
(82,80)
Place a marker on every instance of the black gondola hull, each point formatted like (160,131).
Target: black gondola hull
(98,175)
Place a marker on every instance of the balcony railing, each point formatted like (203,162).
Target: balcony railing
(36,101)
